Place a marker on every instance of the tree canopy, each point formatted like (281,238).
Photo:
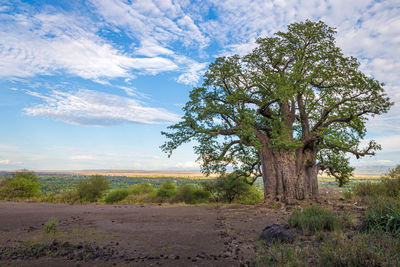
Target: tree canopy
(296,92)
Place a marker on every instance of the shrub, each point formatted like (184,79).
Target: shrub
(191,195)
(201,195)
(167,190)
(116,196)
(50,226)
(253,196)
(383,214)
(142,188)
(313,219)
(394,173)
(20,185)
(227,188)
(92,188)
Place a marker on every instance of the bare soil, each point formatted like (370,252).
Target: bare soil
(147,235)
(141,235)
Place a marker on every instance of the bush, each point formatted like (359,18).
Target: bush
(253,196)
(313,219)
(142,188)
(394,173)
(50,227)
(228,188)
(92,188)
(22,184)
(383,214)
(166,191)
(191,195)
(116,196)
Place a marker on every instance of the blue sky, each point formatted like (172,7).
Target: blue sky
(90,84)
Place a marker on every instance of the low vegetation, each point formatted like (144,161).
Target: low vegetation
(116,195)
(313,219)
(338,250)
(22,184)
(110,190)
(375,241)
(232,187)
(50,227)
(92,189)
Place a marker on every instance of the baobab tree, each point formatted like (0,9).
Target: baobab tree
(292,107)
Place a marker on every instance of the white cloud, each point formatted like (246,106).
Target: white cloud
(160,21)
(5,161)
(192,71)
(47,43)
(87,107)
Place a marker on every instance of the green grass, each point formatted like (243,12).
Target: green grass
(336,250)
(313,219)
(376,249)
(387,187)
(383,214)
(50,227)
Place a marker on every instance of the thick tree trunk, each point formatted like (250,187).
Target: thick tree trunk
(289,176)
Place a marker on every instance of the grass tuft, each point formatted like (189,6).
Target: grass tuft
(50,227)
(313,219)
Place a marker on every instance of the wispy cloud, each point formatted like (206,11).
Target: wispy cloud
(92,108)
(159,21)
(47,43)
(192,70)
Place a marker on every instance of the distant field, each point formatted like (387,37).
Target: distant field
(330,181)
(64,181)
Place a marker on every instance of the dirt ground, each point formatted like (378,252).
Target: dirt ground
(144,235)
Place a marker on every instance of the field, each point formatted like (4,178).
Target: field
(60,182)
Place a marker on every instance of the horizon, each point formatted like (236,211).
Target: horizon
(91,84)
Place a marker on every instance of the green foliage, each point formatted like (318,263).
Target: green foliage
(191,195)
(383,214)
(295,92)
(395,173)
(22,184)
(313,219)
(253,196)
(92,188)
(142,188)
(116,195)
(166,191)
(228,187)
(50,227)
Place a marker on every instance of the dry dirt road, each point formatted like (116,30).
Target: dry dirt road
(139,235)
